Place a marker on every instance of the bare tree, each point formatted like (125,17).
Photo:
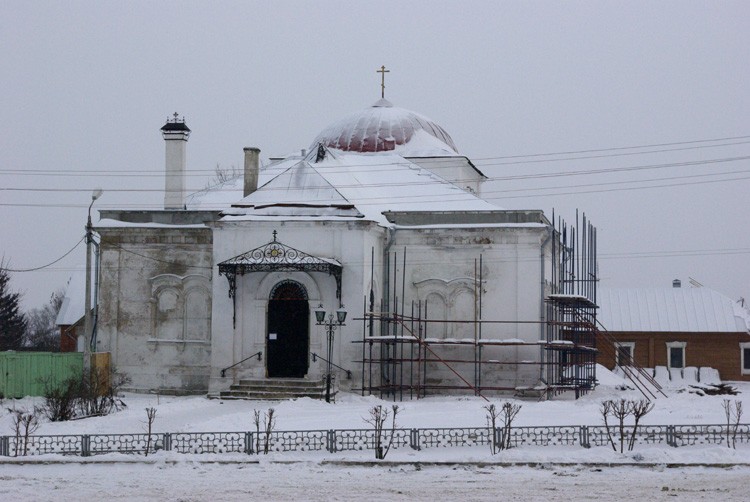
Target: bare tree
(41,331)
(733,415)
(223,174)
(639,408)
(509,411)
(268,423)
(606,410)
(23,423)
(150,417)
(620,410)
(492,415)
(378,418)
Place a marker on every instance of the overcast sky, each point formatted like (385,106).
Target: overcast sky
(85,87)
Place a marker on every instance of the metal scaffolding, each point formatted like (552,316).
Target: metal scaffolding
(400,357)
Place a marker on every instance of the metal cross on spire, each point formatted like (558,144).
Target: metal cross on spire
(382,72)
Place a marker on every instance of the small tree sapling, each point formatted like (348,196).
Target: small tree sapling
(150,417)
(378,418)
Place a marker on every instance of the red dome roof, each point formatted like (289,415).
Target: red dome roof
(380,128)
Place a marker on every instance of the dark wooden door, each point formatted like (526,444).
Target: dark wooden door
(288,337)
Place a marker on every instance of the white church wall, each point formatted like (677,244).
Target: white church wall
(349,242)
(155,304)
(441,269)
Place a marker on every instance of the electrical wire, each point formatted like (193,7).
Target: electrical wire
(47,265)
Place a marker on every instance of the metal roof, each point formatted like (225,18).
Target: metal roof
(670,310)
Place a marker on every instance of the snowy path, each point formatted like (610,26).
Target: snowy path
(187,481)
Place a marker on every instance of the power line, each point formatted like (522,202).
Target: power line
(327,170)
(380,185)
(608,155)
(653,145)
(204,172)
(49,264)
(428,198)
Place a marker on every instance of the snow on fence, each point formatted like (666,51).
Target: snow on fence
(250,443)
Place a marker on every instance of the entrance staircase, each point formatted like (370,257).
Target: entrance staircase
(276,389)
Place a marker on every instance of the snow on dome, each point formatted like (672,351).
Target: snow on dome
(383,128)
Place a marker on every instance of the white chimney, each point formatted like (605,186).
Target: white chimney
(176,134)
(252,168)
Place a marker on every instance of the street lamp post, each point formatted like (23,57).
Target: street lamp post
(330,325)
(87,325)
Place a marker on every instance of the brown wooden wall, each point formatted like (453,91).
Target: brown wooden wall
(68,338)
(716,350)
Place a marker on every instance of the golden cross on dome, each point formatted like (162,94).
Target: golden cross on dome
(382,72)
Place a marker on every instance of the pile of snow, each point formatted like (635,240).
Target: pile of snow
(609,378)
(709,376)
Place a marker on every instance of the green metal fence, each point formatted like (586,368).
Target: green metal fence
(25,373)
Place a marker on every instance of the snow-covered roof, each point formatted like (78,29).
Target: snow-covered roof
(386,128)
(368,184)
(71,309)
(223,195)
(670,310)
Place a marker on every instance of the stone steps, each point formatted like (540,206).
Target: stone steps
(276,389)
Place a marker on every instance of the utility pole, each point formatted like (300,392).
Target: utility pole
(87,325)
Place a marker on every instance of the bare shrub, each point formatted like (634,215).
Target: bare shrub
(492,416)
(23,423)
(80,397)
(639,408)
(733,415)
(606,410)
(267,424)
(60,399)
(509,411)
(378,418)
(150,418)
(501,438)
(621,409)
(99,396)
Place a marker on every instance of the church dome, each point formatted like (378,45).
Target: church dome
(384,127)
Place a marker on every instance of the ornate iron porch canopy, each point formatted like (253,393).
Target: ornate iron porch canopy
(274,257)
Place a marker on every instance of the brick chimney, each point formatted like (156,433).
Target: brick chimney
(252,168)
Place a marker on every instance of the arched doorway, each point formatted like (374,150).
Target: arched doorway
(288,335)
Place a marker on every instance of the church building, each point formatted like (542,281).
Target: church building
(381,218)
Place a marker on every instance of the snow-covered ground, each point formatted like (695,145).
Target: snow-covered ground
(190,481)
(407,474)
